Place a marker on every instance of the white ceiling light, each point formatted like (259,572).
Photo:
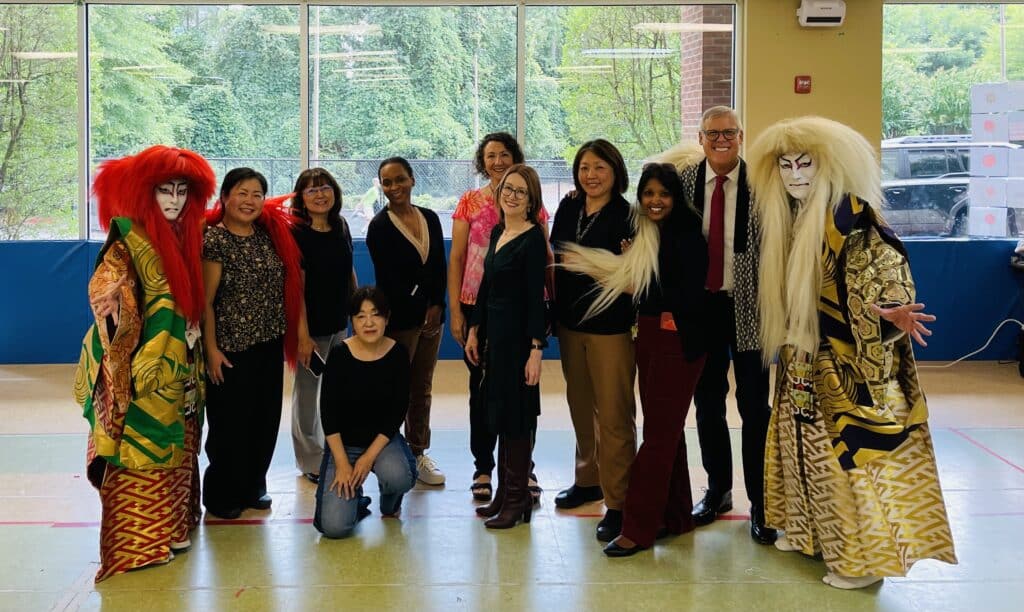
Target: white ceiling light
(43,55)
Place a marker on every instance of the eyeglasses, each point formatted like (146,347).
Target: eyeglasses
(713,135)
(513,193)
(310,192)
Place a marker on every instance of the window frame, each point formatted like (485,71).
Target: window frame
(82,7)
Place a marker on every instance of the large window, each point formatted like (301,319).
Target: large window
(421,82)
(281,87)
(639,76)
(220,80)
(953,119)
(38,110)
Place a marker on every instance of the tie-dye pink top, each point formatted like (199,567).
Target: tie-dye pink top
(479,211)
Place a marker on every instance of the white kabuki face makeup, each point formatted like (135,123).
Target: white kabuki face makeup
(797,171)
(171,197)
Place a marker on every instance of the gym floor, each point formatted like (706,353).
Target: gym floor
(438,556)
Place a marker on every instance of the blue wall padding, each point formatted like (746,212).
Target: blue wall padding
(968,284)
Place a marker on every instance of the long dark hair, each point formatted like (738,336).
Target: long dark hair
(316,177)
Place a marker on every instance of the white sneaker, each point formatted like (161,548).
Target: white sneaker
(427,471)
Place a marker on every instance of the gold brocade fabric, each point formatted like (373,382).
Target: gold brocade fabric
(849,466)
(138,382)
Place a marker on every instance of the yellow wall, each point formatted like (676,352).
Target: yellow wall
(845,65)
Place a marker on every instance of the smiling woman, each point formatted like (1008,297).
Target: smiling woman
(326,244)
(253,306)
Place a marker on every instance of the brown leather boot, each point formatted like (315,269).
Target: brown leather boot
(491,509)
(517,504)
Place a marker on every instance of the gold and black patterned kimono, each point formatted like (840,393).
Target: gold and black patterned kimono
(849,466)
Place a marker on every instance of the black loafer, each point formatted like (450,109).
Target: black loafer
(708,509)
(263,503)
(575,496)
(761,533)
(610,526)
(614,550)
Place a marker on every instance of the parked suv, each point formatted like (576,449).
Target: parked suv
(925,180)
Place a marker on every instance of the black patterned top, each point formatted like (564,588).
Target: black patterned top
(249,306)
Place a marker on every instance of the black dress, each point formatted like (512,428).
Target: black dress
(510,313)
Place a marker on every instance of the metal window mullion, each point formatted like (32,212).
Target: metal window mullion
(521,73)
(83,122)
(304,86)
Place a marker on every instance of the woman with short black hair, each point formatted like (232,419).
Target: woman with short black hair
(363,400)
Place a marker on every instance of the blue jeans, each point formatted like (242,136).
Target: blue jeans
(395,468)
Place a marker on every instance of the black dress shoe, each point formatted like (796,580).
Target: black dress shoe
(262,503)
(708,509)
(614,550)
(610,526)
(758,531)
(575,496)
(313,478)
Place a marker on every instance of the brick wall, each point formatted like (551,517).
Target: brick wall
(706,65)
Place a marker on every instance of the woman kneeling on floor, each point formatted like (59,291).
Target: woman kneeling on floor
(363,399)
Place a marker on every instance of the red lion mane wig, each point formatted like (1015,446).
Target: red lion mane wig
(278,220)
(124,188)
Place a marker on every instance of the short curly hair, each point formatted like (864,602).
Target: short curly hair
(506,139)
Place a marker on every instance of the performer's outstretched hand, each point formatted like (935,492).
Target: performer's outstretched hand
(908,318)
(109,303)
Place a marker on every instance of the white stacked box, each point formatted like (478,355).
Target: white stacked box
(997,173)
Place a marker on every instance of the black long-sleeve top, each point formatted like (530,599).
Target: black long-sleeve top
(575,292)
(363,399)
(327,262)
(682,265)
(411,285)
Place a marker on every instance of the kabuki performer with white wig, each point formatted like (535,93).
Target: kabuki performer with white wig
(140,376)
(849,469)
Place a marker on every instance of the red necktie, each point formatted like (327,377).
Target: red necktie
(716,236)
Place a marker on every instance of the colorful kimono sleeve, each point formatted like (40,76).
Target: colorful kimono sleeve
(103,381)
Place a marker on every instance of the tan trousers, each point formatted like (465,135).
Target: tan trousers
(422,344)
(599,373)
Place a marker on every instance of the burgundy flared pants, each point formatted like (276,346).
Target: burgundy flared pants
(659,482)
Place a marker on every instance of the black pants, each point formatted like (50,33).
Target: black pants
(481,440)
(751,399)
(244,415)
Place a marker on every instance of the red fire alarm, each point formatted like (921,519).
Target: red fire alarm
(802,84)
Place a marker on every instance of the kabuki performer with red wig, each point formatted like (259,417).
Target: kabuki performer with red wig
(254,299)
(140,376)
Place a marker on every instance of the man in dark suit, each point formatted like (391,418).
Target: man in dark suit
(718,187)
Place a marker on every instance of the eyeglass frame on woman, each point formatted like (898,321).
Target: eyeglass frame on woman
(511,192)
(310,192)
(729,134)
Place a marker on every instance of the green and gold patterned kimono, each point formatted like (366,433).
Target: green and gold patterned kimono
(140,385)
(849,466)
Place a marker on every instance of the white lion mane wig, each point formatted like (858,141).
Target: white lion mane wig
(792,233)
(632,271)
